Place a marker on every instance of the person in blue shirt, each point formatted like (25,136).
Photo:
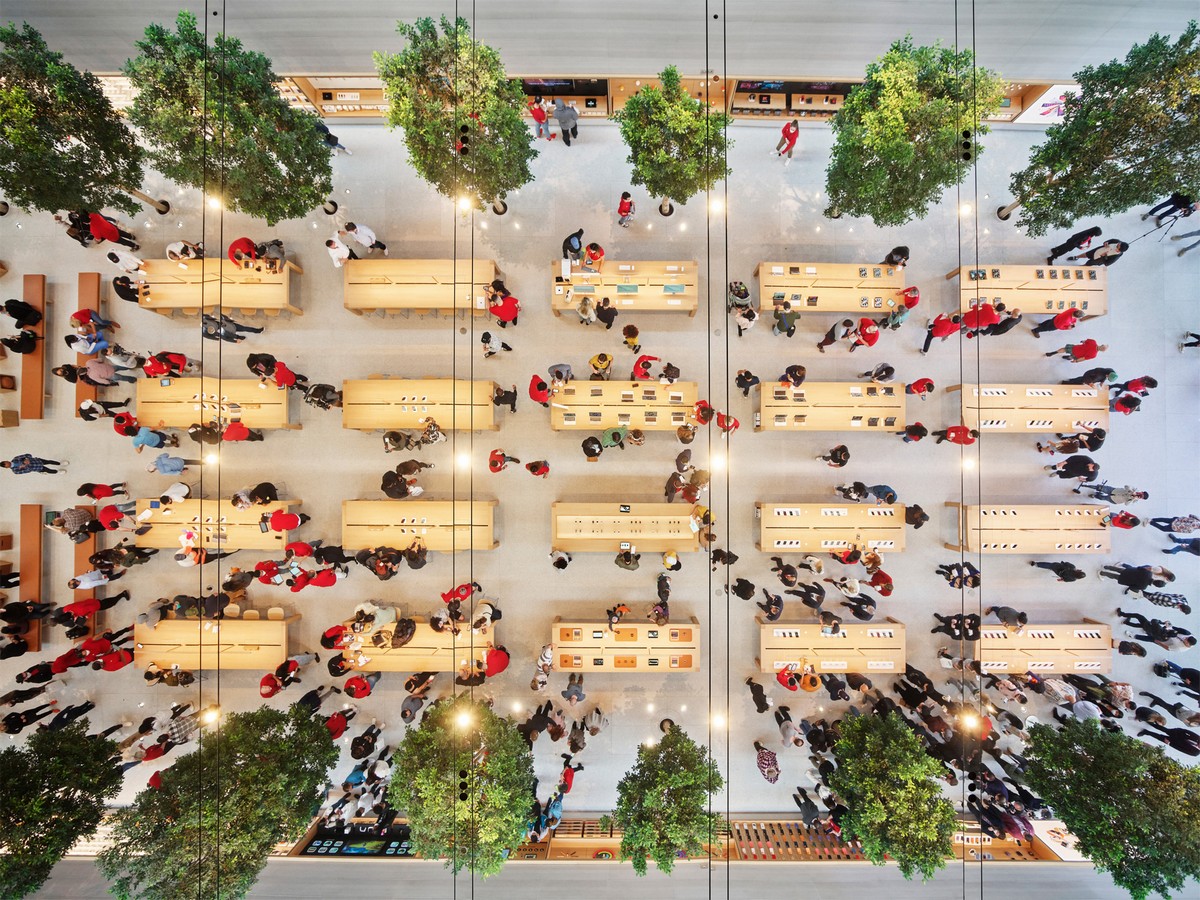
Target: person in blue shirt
(882,493)
(148,437)
(165,464)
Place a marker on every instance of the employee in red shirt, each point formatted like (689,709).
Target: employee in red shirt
(282,520)
(111,662)
(1064,321)
(1125,404)
(941,327)
(498,460)
(957,434)
(787,677)
(269,686)
(505,307)
(69,660)
(359,687)
(95,647)
(237,431)
(337,722)
(539,467)
(866,335)
(539,391)
(267,570)
(495,662)
(922,388)
(982,316)
(104,229)
(642,367)
(242,248)
(1081,352)
(787,141)
(1140,386)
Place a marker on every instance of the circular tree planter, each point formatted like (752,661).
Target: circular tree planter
(666,725)
(499,207)
(666,208)
(3,208)
(329,207)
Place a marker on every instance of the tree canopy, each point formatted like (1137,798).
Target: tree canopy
(62,145)
(1128,137)
(677,145)
(460,113)
(215,121)
(221,809)
(52,790)
(897,138)
(464,777)
(663,802)
(891,787)
(1135,811)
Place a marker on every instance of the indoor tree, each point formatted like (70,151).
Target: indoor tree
(215,121)
(1128,137)
(62,145)
(897,139)
(464,778)
(677,145)
(663,802)
(460,113)
(207,832)
(53,791)
(892,789)
(1134,810)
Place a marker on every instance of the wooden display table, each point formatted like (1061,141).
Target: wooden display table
(445,525)
(380,402)
(830,406)
(428,651)
(220,525)
(1032,408)
(182,402)
(30,565)
(198,644)
(421,285)
(864,289)
(630,285)
(1011,528)
(1079,647)
(208,283)
(613,526)
(33,364)
(589,646)
(594,405)
(1035,290)
(865,648)
(816,527)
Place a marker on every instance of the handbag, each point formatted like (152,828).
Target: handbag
(403,632)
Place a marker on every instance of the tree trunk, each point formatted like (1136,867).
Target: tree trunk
(329,207)
(833,213)
(1003,212)
(499,207)
(665,208)
(162,207)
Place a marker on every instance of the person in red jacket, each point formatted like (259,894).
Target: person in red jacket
(941,327)
(882,582)
(297,550)
(1081,352)
(1125,404)
(957,434)
(539,468)
(1064,321)
(981,316)
(787,677)
(337,722)
(86,607)
(282,520)
(498,460)
(237,431)
(166,362)
(539,391)
(866,335)
(111,662)
(359,687)
(241,249)
(462,593)
(505,307)
(267,570)
(105,229)
(787,141)
(95,647)
(641,368)
(567,780)
(123,420)
(922,388)
(1140,386)
(69,660)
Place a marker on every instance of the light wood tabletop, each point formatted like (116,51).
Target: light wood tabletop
(428,651)
(649,405)
(397,285)
(1032,408)
(378,403)
(181,402)
(864,648)
(828,527)
(830,406)
(444,525)
(605,527)
(198,644)
(631,285)
(218,523)
(1016,528)
(590,646)
(1046,649)
(1036,290)
(868,289)
(192,285)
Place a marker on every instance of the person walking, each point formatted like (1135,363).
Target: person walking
(1191,246)
(338,252)
(787,141)
(942,327)
(27,464)
(1078,466)
(746,380)
(838,332)
(957,434)
(767,762)
(1122,496)
(492,345)
(626,209)
(1088,439)
(225,329)
(1063,570)
(1184,545)
(1063,321)
(837,457)
(1188,524)
(568,121)
(914,432)
(1104,255)
(365,237)
(1080,240)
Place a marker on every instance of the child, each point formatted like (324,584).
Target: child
(626,210)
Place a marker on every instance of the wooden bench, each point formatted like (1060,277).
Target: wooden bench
(381,402)
(1013,528)
(630,285)
(29,564)
(181,402)
(33,365)
(89,298)
(648,405)
(1047,649)
(444,525)
(204,284)
(218,523)
(1035,290)
(865,289)
(428,651)
(1032,408)
(590,646)
(866,648)
(401,286)
(198,644)
(613,526)
(829,527)
(830,406)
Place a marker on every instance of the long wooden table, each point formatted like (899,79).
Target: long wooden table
(1014,528)
(89,298)
(647,405)
(402,285)
(1036,290)
(181,402)
(381,402)
(815,527)
(30,565)
(1032,408)
(632,285)
(830,406)
(860,288)
(33,364)
(1077,647)
(198,644)
(589,646)
(428,651)
(445,525)
(219,524)
(863,648)
(613,526)
(205,284)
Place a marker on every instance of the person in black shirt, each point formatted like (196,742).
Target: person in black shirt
(1063,569)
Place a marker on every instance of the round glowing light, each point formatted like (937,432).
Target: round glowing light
(683,226)
(214,202)
(211,459)
(463,719)
(649,226)
(463,460)
(683,708)
(716,204)
(210,715)
(965,209)
(464,203)
(818,228)
(717,462)
(516,707)
(970,720)
(649,742)
(968,462)
(718,720)
(517,225)
(649,707)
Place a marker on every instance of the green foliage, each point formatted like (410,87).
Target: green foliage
(52,791)
(1128,138)
(1135,811)
(221,809)
(478,832)
(662,802)
(891,787)
(897,138)
(215,122)
(62,145)
(441,84)
(677,145)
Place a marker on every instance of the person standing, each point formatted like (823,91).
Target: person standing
(785,320)
(787,141)
(126,262)
(897,256)
(498,461)
(746,380)
(537,112)
(837,457)
(1080,240)
(1177,204)
(838,332)
(1191,246)
(607,313)
(338,251)
(1188,524)
(492,345)
(626,209)
(103,229)
(957,434)
(914,432)
(568,121)
(1104,255)
(365,237)
(27,464)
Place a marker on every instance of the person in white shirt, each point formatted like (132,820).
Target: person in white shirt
(365,236)
(126,262)
(175,493)
(93,579)
(338,251)
(177,251)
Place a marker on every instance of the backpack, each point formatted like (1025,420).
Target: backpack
(403,632)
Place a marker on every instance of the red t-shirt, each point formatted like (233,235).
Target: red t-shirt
(154,751)
(942,326)
(1065,320)
(282,520)
(791,131)
(568,779)
(235,431)
(245,245)
(269,685)
(959,434)
(543,469)
(1085,350)
(154,368)
(102,229)
(324,578)
(358,687)
(1137,386)
(911,295)
(462,592)
(339,635)
(868,332)
(94,648)
(1123,519)
(782,677)
(155,781)
(269,570)
(496,662)
(539,395)
(283,376)
(980,316)
(1122,406)
(82,316)
(921,386)
(299,549)
(539,114)
(70,659)
(110,516)
(84,607)
(625,207)
(300,582)
(882,582)
(100,491)
(496,460)
(505,309)
(118,659)
(123,420)
(643,374)
(337,725)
